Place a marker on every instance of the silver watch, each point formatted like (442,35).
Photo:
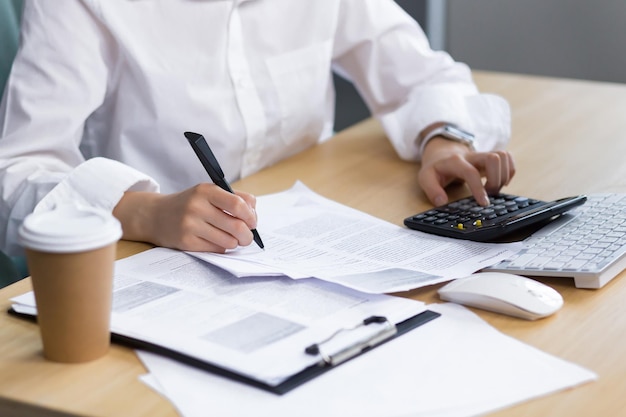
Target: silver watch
(450,132)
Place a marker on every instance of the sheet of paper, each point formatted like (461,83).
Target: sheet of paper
(307,235)
(456,365)
(258,327)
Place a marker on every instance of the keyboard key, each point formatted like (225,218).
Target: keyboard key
(522,260)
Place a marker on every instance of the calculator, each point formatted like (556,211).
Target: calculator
(506,213)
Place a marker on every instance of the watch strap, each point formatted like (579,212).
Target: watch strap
(450,132)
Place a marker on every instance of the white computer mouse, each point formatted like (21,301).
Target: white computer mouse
(504,293)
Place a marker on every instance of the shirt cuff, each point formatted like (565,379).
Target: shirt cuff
(97,182)
(486,116)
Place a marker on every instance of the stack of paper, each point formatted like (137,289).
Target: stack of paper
(454,366)
(307,235)
(256,327)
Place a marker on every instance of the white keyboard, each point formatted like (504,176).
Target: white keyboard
(587,243)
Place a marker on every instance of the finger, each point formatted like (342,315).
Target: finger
(198,244)
(227,232)
(474,182)
(439,175)
(251,201)
(431,184)
(208,228)
(247,197)
(494,168)
(507,167)
(240,206)
(199,236)
(510,166)
(505,176)
(498,168)
(219,217)
(469,169)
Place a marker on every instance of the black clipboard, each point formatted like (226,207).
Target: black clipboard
(294,381)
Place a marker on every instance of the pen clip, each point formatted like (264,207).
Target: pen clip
(367,334)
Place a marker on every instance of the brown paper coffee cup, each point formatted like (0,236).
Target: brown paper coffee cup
(71,253)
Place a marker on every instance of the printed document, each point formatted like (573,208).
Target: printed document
(307,235)
(455,366)
(258,327)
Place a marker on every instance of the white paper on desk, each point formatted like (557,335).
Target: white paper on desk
(257,327)
(307,235)
(456,365)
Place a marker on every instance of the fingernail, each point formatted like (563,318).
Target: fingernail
(440,201)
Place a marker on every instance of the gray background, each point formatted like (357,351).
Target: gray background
(584,39)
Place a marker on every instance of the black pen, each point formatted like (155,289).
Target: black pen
(212,167)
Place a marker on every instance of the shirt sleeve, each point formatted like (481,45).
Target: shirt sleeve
(409,86)
(97,182)
(58,79)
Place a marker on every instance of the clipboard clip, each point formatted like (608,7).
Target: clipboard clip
(347,343)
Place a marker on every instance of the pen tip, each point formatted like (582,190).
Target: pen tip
(257,239)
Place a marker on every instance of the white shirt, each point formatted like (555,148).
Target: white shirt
(122,80)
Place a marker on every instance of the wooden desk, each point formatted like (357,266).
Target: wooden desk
(568,138)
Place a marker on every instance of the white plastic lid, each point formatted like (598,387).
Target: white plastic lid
(69,228)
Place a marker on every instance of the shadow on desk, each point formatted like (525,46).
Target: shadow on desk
(14,408)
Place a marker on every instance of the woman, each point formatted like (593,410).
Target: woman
(101,92)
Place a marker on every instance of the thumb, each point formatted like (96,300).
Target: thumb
(432,188)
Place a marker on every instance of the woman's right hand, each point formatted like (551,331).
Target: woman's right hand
(204,218)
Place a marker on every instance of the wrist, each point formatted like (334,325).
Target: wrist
(445,131)
(135,213)
(439,147)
